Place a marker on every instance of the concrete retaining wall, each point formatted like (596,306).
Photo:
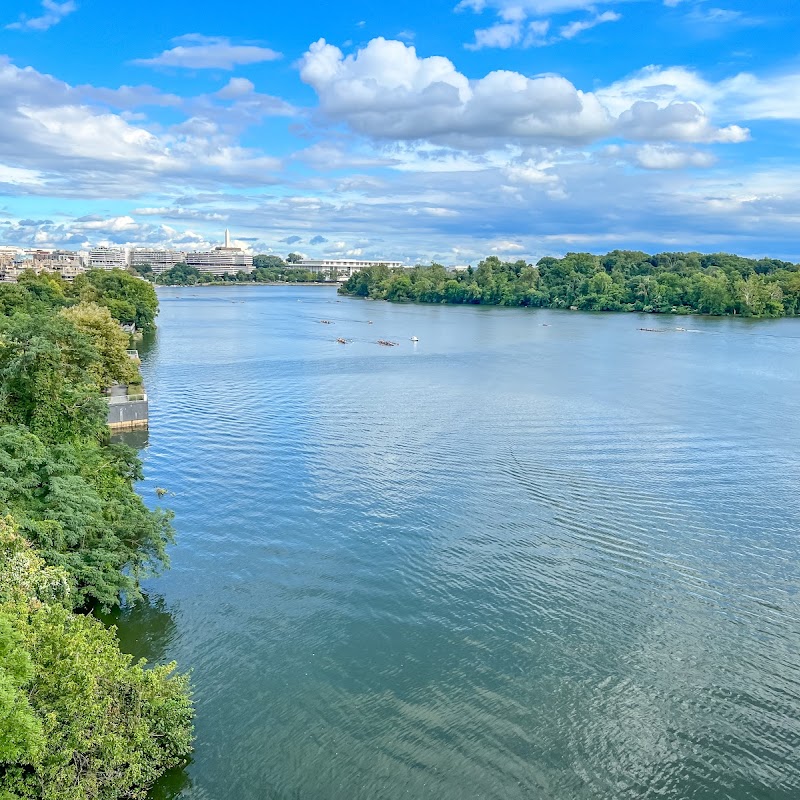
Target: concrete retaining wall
(127,415)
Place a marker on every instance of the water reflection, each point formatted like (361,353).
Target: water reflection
(145,628)
(138,439)
(172,785)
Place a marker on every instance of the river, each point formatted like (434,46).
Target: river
(537,554)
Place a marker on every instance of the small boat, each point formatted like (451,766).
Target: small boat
(387,343)
(369,322)
(341,341)
(326,322)
(414,339)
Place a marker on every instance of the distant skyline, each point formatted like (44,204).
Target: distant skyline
(442,131)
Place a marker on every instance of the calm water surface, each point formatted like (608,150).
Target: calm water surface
(535,555)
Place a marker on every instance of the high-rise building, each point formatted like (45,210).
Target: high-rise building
(224,260)
(159,260)
(107,258)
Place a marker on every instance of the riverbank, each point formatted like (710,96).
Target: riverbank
(80,718)
(668,283)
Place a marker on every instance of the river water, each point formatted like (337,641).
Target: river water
(536,554)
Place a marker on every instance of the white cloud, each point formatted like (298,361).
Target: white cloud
(683,122)
(502,35)
(530,173)
(53,14)
(513,32)
(506,246)
(513,14)
(73,147)
(572,29)
(236,88)
(652,156)
(386,91)
(247,105)
(329,155)
(128,96)
(195,51)
(533,7)
(741,97)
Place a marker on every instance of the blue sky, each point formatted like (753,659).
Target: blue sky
(419,131)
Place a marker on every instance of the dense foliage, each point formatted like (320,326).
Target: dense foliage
(130,299)
(78,719)
(622,280)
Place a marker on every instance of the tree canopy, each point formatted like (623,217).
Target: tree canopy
(78,719)
(622,280)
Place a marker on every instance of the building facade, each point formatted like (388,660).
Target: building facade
(342,267)
(13,263)
(224,260)
(107,258)
(159,260)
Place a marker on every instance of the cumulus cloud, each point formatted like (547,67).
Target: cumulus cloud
(195,51)
(502,35)
(70,147)
(743,96)
(685,122)
(53,13)
(386,91)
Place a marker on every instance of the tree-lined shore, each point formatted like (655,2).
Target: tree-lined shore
(78,718)
(622,280)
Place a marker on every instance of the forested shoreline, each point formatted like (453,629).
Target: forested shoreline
(78,718)
(622,280)
(266,269)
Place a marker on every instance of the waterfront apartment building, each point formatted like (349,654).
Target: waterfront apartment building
(159,260)
(66,263)
(15,261)
(343,267)
(224,260)
(107,258)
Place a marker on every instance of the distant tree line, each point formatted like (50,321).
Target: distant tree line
(266,269)
(78,718)
(622,280)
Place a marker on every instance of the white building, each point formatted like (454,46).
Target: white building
(66,263)
(225,260)
(159,260)
(107,258)
(344,267)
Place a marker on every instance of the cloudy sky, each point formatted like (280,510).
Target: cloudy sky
(436,130)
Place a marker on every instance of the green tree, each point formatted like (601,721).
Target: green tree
(268,262)
(46,378)
(81,721)
(129,298)
(110,342)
